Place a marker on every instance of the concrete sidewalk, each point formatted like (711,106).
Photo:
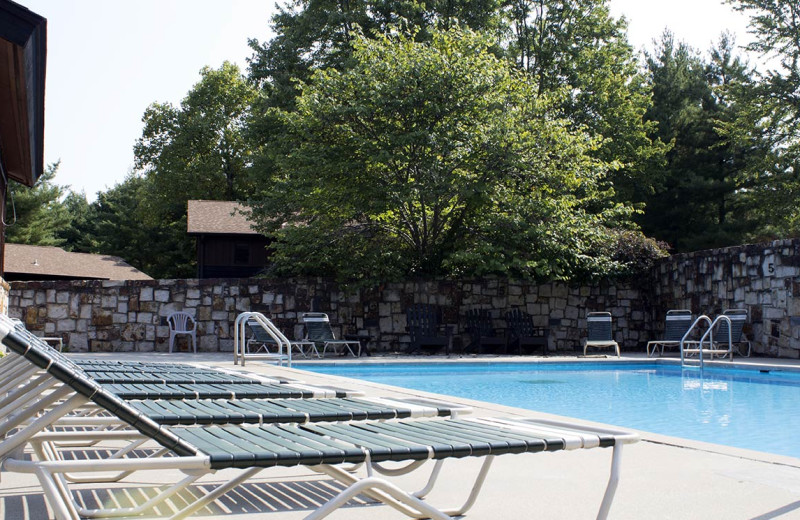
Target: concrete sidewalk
(662,477)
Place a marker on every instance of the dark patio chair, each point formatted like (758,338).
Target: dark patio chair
(677,324)
(319,331)
(523,336)
(483,337)
(427,335)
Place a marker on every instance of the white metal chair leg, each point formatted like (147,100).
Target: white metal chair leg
(377,484)
(613,481)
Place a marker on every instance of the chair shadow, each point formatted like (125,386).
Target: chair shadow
(247,498)
(777,513)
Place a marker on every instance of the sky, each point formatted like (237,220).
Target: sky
(107,60)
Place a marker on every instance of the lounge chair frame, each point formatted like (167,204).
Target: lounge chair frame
(522,332)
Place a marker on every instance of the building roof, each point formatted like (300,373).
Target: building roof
(47,263)
(23,52)
(217,217)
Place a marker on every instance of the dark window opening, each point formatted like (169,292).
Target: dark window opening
(241,254)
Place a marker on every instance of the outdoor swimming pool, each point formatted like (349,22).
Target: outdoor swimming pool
(735,407)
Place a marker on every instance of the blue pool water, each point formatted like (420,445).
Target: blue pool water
(735,407)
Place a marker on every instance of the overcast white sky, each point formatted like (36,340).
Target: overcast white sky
(107,60)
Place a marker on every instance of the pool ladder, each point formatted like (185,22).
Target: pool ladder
(708,339)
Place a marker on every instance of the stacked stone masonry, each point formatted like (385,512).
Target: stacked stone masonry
(131,315)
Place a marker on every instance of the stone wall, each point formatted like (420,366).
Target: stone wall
(131,315)
(762,278)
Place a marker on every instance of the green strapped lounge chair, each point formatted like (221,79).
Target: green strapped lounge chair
(322,447)
(259,336)
(320,333)
(677,324)
(599,332)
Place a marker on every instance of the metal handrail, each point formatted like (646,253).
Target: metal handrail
(701,318)
(239,339)
(709,333)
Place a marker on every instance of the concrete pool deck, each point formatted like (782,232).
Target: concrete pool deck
(662,477)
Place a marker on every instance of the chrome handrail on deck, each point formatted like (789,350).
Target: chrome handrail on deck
(709,333)
(701,318)
(240,340)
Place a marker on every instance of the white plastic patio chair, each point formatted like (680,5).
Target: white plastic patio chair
(182,323)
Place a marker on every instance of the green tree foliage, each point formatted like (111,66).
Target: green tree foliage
(198,150)
(434,158)
(767,128)
(79,235)
(121,227)
(697,203)
(311,35)
(36,216)
(195,151)
(577,47)
(574,50)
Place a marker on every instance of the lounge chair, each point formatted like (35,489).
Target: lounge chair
(425,331)
(261,338)
(728,335)
(319,332)
(523,336)
(482,334)
(322,447)
(677,324)
(599,332)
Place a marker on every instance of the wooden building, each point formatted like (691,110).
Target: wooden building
(23,51)
(227,245)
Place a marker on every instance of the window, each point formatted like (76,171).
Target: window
(241,254)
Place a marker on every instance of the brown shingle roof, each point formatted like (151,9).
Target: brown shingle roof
(217,217)
(45,261)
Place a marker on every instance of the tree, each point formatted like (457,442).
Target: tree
(768,126)
(35,216)
(78,236)
(573,49)
(311,35)
(697,203)
(195,151)
(434,158)
(117,225)
(198,149)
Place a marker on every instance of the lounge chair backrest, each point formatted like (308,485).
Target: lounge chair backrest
(521,325)
(677,324)
(599,326)
(36,351)
(258,333)
(738,318)
(422,320)
(318,326)
(479,323)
